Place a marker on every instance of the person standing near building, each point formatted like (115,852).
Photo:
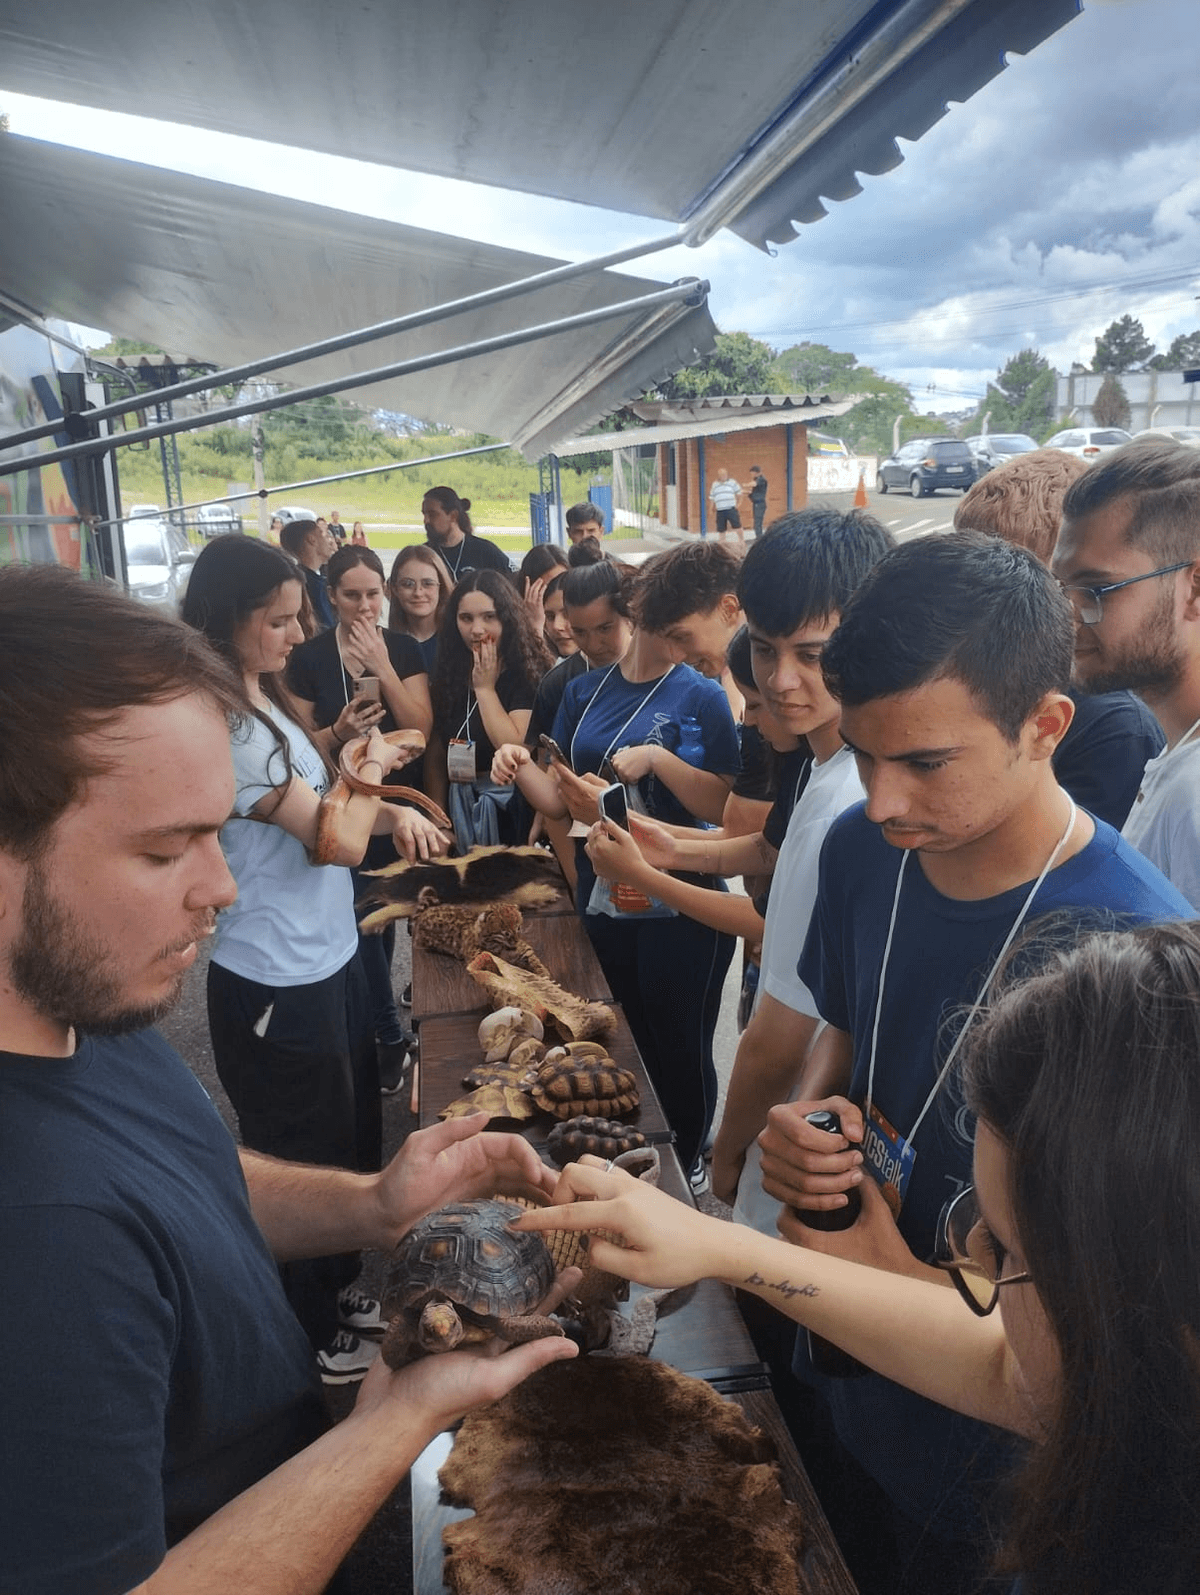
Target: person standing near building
(724,495)
(758,498)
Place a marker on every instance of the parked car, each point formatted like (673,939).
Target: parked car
(925,464)
(214,519)
(1089,442)
(158,559)
(993,448)
(1177,434)
(293,512)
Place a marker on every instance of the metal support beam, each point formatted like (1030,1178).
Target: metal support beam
(234,376)
(691,292)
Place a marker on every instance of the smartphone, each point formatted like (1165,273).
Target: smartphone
(553,749)
(613,804)
(368,687)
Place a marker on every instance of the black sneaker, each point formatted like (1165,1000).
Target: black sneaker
(393,1065)
(346,1359)
(360,1312)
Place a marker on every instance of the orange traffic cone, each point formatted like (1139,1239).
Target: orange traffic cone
(861,501)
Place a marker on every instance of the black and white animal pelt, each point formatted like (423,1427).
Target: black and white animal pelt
(528,876)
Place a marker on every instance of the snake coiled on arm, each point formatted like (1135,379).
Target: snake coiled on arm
(333,804)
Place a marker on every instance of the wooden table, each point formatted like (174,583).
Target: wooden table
(702,1333)
(442,986)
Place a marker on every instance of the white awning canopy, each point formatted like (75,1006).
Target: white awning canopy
(708,425)
(228,274)
(748,115)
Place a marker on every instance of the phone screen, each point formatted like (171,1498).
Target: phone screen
(613,803)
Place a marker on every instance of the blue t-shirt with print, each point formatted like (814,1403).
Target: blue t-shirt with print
(942,951)
(601,713)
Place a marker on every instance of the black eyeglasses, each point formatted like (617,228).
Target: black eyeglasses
(1089,601)
(971,1255)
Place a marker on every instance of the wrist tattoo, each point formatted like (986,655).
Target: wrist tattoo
(784,1286)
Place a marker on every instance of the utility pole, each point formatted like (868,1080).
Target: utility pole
(260,480)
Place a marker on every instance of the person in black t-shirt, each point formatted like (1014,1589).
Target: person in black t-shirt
(448,530)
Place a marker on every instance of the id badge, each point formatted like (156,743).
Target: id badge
(888,1157)
(460,760)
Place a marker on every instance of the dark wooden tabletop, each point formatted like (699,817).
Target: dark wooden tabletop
(700,1330)
(441,984)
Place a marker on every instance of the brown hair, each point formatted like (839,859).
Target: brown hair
(1161,479)
(423,554)
(1021,500)
(689,579)
(452,504)
(73,656)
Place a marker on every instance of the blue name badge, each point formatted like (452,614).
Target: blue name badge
(888,1157)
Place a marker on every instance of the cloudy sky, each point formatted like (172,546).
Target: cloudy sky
(1064,194)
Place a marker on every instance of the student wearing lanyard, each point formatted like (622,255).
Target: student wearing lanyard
(623,723)
(951,664)
(489,663)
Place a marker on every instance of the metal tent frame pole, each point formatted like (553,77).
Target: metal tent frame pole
(234,376)
(691,293)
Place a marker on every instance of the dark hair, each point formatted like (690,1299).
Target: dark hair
(1088,1074)
(1021,500)
(542,557)
(586,551)
(688,579)
(397,620)
(294,534)
(581,514)
(347,557)
(556,584)
(609,579)
(74,655)
(1162,478)
(739,658)
(452,504)
(521,650)
(806,566)
(964,606)
(234,577)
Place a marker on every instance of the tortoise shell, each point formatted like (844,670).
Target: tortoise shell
(572,1086)
(466,1254)
(571,1138)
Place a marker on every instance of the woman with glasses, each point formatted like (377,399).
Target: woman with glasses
(418,588)
(1082,1229)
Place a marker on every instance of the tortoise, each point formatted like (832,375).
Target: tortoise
(568,1087)
(461,1275)
(608,1138)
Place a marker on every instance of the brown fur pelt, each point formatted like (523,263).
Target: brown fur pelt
(528,876)
(461,932)
(620,1476)
(559,1010)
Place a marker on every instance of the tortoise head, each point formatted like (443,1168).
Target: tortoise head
(440,1329)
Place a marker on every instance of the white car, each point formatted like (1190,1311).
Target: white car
(1089,442)
(293,512)
(1177,434)
(214,519)
(158,561)
(994,448)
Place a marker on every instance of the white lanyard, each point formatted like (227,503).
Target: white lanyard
(464,729)
(1186,737)
(608,750)
(983,990)
(345,673)
(457,562)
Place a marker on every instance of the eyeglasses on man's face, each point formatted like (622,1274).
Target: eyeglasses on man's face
(409,584)
(1089,601)
(971,1254)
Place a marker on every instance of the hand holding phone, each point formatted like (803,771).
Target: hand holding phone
(555,753)
(613,804)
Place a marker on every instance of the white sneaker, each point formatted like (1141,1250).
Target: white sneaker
(346,1359)
(360,1312)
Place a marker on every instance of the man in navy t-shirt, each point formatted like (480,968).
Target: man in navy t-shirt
(951,665)
(167,1419)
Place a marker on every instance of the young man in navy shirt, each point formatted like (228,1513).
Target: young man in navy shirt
(951,665)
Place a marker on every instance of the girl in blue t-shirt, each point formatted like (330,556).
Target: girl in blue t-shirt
(624,723)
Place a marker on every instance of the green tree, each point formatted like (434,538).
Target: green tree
(1183,355)
(867,428)
(1110,407)
(1122,346)
(1022,397)
(738,364)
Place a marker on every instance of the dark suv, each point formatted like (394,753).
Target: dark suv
(926,464)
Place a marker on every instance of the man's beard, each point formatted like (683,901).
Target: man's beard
(68,976)
(1153,664)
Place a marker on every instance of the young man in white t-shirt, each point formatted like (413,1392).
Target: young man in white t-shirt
(1128,555)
